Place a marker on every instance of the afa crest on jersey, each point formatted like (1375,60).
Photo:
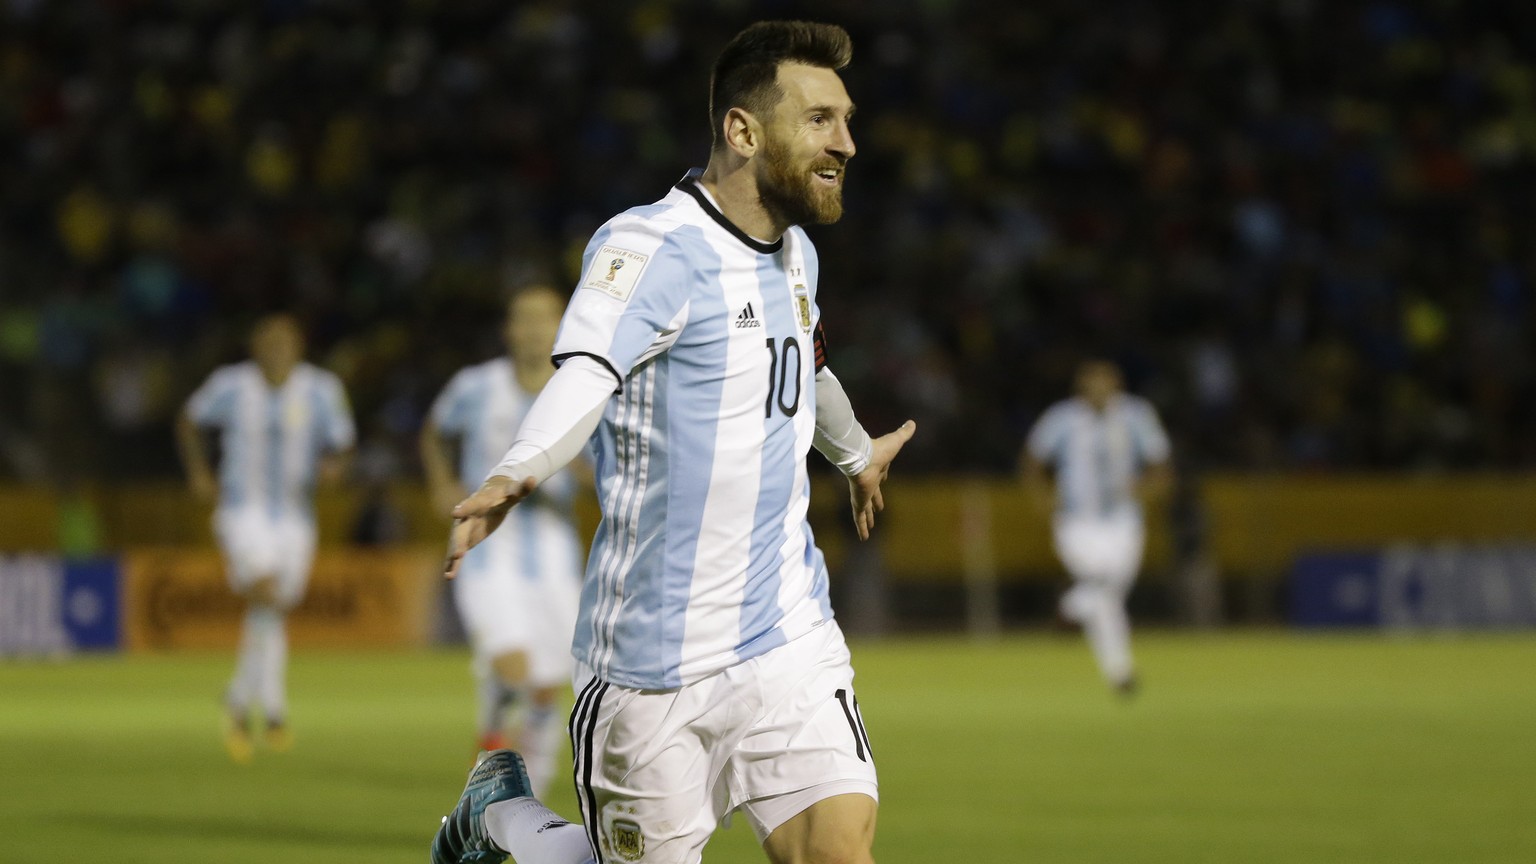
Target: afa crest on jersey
(803,304)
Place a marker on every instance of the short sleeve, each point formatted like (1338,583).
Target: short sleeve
(340,432)
(451,410)
(1151,440)
(1045,439)
(632,299)
(213,404)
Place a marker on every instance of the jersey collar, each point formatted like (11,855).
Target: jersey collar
(690,184)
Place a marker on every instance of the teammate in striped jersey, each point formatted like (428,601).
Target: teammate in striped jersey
(516,592)
(712,676)
(283,425)
(1108,451)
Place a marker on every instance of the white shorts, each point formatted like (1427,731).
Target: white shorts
(258,545)
(658,770)
(1102,550)
(506,608)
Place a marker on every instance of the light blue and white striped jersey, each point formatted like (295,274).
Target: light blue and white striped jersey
(483,406)
(1097,456)
(271,438)
(703,558)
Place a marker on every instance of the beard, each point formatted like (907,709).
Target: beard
(792,193)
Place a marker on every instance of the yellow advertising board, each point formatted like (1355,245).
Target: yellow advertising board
(176,598)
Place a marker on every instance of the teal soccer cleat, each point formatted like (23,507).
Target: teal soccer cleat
(462,839)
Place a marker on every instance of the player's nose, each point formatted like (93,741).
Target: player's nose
(841,144)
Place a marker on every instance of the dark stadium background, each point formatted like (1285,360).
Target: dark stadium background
(1300,225)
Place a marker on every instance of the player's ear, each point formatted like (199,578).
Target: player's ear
(742,132)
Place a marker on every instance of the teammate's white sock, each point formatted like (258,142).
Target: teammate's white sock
(540,740)
(534,834)
(1109,634)
(495,699)
(246,683)
(273,661)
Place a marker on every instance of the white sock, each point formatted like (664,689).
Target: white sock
(1109,634)
(273,640)
(495,699)
(246,682)
(534,834)
(540,739)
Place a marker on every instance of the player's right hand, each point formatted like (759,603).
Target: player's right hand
(203,486)
(478,515)
(446,496)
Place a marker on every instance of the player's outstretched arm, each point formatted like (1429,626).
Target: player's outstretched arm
(477,516)
(444,487)
(864,487)
(194,458)
(554,430)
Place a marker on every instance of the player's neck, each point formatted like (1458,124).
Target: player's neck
(735,193)
(276,378)
(532,375)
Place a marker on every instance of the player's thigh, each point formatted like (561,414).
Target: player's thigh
(494,610)
(549,648)
(810,744)
(645,763)
(248,540)
(835,830)
(1101,551)
(549,658)
(296,557)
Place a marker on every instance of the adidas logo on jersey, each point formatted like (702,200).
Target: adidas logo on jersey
(747,319)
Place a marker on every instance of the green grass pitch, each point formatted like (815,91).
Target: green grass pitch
(1246,747)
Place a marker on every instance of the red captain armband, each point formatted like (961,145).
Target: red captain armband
(819,340)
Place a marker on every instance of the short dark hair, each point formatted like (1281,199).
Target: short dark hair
(746,72)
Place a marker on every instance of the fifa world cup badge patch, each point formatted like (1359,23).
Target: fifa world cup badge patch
(628,842)
(803,303)
(615,272)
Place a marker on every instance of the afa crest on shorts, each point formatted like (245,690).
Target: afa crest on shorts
(628,842)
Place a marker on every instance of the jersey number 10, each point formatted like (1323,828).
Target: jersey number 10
(779,377)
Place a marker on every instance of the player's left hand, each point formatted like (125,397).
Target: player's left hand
(481,513)
(333,469)
(864,487)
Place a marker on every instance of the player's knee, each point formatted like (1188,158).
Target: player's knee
(511,668)
(848,848)
(263,591)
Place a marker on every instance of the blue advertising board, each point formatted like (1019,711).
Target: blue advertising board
(1447,586)
(49,605)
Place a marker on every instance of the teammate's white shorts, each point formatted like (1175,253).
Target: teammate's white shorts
(257,545)
(506,608)
(658,770)
(1102,550)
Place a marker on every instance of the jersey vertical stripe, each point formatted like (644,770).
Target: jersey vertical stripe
(271,438)
(623,543)
(1098,456)
(703,558)
(482,406)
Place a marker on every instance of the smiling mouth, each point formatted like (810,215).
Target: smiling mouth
(829,176)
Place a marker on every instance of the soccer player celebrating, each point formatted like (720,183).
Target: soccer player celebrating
(517,591)
(1108,451)
(282,425)
(711,676)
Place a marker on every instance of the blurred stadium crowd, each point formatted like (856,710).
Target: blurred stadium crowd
(1302,226)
